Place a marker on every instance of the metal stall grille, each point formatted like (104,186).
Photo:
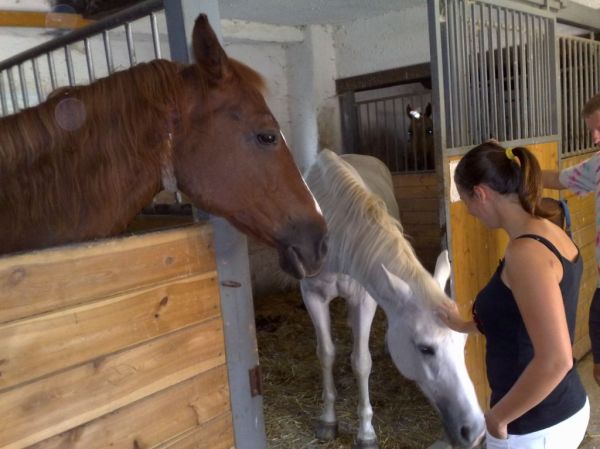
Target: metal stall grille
(81,56)
(387,130)
(579,62)
(499,76)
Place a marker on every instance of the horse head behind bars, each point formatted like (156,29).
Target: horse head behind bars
(420,148)
(85,162)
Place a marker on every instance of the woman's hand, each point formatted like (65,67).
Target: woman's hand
(448,314)
(494,427)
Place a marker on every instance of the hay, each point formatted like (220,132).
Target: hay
(403,419)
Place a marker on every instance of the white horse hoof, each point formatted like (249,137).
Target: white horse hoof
(326,431)
(368,444)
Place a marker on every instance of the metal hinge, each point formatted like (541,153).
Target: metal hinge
(255,381)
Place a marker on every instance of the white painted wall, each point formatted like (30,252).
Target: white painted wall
(384,42)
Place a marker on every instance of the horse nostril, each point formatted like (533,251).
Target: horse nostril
(466,433)
(323,247)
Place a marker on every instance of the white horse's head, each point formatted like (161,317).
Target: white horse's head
(426,351)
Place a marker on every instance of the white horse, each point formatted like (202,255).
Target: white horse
(370,263)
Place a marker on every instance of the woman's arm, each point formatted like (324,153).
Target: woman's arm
(533,274)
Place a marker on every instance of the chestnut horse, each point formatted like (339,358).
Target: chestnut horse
(420,146)
(85,162)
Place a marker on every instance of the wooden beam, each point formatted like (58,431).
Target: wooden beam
(42,19)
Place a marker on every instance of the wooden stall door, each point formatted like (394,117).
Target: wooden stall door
(117,344)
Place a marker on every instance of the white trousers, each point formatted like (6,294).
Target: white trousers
(564,435)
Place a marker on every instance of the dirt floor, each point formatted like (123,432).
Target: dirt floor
(403,419)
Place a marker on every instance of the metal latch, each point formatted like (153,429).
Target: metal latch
(255,381)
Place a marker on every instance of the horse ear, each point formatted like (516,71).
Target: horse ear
(428,110)
(208,52)
(442,269)
(397,285)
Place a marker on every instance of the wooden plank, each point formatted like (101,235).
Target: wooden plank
(59,277)
(44,408)
(154,419)
(38,346)
(217,434)
(423,204)
(42,19)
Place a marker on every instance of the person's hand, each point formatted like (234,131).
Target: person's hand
(494,427)
(448,314)
(597,373)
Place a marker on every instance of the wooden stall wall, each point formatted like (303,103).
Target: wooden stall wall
(117,343)
(475,253)
(418,199)
(582,210)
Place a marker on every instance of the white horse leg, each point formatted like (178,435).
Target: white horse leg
(362,311)
(318,308)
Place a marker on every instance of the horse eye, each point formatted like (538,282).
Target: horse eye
(426,350)
(266,139)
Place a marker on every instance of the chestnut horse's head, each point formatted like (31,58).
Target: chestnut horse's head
(232,160)
(420,139)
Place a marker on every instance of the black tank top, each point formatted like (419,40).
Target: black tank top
(509,349)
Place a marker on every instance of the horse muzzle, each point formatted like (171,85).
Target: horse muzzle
(302,252)
(463,433)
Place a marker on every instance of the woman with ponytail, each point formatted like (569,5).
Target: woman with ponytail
(527,310)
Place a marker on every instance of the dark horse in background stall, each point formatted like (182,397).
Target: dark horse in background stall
(85,162)
(420,147)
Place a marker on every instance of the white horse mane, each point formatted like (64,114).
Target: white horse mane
(365,235)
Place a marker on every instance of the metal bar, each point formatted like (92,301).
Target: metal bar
(456,126)
(396,148)
(3,102)
(587,87)
(484,66)
(404,135)
(471,91)
(37,80)
(493,76)
(571,61)
(13,91)
(463,89)
(89,60)
(503,131)
(23,82)
(69,60)
(475,74)
(576,94)
(155,35)
(468,92)
(509,87)
(563,81)
(52,70)
(523,74)
(110,66)
(130,45)
(516,77)
(130,14)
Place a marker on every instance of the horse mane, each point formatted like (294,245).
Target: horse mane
(362,230)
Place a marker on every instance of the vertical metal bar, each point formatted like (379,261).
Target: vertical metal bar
(509,86)
(455,125)
(404,134)
(587,86)
(545,76)
(484,66)
(130,45)
(52,70)
(155,35)
(466,116)
(476,61)
(563,80)
(571,60)
(110,67)
(23,82)
(386,134)
(89,60)
(471,92)
(502,109)
(461,86)
(361,133)
(70,70)
(516,77)
(3,103)
(493,75)
(13,90)
(38,81)
(576,95)
(396,148)
(523,74)
(532,80)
